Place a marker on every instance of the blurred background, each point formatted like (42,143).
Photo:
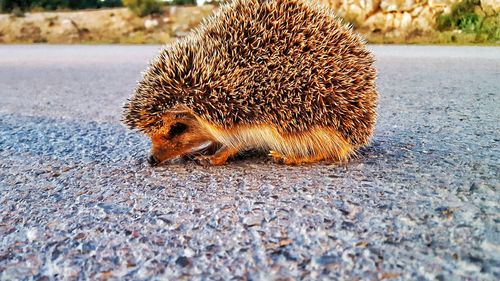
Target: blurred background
(160,21)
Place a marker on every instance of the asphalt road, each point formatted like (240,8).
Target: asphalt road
(78,200)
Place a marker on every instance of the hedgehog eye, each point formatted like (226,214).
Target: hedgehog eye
(176,129)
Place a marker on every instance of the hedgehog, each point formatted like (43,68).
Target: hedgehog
(284,76)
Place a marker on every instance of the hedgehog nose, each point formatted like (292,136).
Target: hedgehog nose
(152,161)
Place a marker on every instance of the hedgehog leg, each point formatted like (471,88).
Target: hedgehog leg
(219,158)
(294,159)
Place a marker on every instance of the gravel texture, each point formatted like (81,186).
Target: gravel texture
(78,200)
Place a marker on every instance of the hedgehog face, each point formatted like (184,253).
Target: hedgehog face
(179,135)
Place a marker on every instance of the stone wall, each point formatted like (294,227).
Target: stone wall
(399,17)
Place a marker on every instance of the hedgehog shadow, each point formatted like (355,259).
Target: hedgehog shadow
(388,149)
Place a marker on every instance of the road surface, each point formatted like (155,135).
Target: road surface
(78,200)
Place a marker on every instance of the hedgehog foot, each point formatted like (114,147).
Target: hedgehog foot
(219,158)
(278,158)
(286,160)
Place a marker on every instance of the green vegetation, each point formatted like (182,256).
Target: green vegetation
(468,17)
(140,7)
(143,7)
(183,2)
(148,7)
(7,6)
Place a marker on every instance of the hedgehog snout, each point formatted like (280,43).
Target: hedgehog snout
(153,161)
